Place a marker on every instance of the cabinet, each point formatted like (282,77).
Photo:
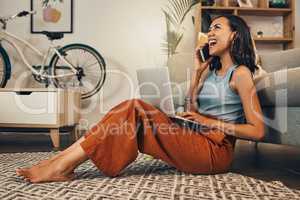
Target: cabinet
(260,9)
(48,108)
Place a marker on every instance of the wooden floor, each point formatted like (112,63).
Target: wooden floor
(268,162)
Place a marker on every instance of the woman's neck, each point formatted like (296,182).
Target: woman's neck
(226,61)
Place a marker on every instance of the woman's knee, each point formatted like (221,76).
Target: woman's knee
(139,105)
(127,105)
(135,101)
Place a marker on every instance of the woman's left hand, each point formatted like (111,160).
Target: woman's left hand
(197,117)
(216,135)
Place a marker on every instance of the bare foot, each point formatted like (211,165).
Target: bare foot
(69,149)
(60,168)
(49,160)
(53,171)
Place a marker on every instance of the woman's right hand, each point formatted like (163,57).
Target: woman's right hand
(194,86)
(199,65)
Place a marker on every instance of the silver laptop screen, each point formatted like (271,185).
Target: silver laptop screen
(155,88)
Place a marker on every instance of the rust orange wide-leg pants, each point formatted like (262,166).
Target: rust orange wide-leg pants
(135,126)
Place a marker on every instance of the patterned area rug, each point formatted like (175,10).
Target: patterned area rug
(144,179)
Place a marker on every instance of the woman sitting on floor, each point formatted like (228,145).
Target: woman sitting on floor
(222,96)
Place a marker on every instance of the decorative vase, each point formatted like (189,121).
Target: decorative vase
(278,4)
(208,2)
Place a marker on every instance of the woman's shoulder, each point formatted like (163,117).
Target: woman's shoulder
(242,71)
(242,78)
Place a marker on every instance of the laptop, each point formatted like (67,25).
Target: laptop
(155,88)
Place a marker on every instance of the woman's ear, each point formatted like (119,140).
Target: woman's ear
(232,36)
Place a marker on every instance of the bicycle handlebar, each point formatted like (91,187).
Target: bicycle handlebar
(20,14)
(24,13)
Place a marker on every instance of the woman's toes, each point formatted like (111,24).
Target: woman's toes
(25,173)
(27,180)
(18,172)
(21,172)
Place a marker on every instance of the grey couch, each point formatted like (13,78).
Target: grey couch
(278,91)
(279,94)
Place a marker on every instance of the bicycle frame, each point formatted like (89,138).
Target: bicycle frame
(6,36)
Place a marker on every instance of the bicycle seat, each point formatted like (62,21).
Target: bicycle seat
(53,35)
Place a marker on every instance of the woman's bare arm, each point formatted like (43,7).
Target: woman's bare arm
(199,74)
(254,128)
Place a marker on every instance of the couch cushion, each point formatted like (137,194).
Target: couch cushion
(280,60)
(281,88)
(282,125)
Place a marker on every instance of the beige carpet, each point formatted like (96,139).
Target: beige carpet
(144,179)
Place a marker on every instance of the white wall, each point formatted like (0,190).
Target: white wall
(297,27)
(127,33)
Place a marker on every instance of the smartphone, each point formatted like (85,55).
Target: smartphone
(204,53)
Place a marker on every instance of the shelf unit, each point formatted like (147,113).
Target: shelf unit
(261,9)
(40,108)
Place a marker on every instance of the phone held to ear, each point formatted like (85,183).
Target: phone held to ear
(204,53)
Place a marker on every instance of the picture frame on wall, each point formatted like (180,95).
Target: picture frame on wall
(245,3)
(52,16)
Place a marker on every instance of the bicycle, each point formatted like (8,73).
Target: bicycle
(74,65)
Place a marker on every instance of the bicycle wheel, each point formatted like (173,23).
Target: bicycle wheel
(5,67)
(90,67)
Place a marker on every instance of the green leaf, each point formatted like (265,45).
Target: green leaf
(46,2)
(175,14)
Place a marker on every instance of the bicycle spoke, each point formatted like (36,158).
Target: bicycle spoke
(79,57)
(88,66)
(92,74)
(91,78)
(77,62)
(88,57)
(82,58)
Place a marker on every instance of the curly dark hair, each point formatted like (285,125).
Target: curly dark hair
(242,49)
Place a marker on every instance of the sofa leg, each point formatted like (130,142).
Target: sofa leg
(256,146)
(256,155)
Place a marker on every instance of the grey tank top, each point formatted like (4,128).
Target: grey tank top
(218,100)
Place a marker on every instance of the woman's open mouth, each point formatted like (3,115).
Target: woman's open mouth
(212,42)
